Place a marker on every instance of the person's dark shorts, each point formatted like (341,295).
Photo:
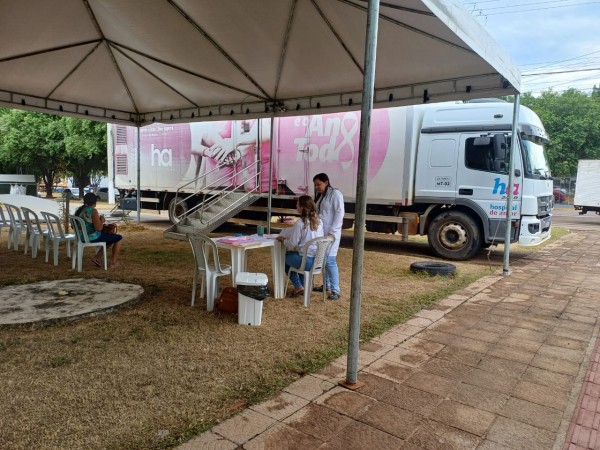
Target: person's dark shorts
(108,238)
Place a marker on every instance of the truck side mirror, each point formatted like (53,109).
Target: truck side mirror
(500,166)
(500,147)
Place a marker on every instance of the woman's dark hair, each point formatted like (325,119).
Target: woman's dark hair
(78,210)
(322,177)
(89,199)
(309,212)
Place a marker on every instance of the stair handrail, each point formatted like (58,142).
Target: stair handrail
(194,181)
(214,184)
(219,195)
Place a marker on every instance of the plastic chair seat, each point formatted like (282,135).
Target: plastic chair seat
(17,226)
(4,222)
(83,241)
(56,235)
(208,266)
(34,231)
(323,245)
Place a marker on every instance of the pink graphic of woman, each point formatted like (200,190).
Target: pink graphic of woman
(228,151)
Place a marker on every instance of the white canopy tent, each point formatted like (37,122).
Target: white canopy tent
(144,61)
(139,61)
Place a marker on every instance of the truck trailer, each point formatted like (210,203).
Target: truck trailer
(587,186)
(442,168)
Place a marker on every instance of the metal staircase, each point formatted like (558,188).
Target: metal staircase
(222,199)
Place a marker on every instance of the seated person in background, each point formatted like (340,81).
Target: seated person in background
(306,228)
(94,222)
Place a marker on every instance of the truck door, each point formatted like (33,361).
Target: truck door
(482,181)
(292,147)
(435,179)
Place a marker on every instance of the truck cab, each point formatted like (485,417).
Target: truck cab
(461,175)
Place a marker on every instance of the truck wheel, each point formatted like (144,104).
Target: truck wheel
(454,235)
(176,211)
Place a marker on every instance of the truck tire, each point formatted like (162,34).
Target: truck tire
(454,235)
(433,268)
(176,211)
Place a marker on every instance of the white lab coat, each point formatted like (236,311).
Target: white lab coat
(298,235)
(331,211)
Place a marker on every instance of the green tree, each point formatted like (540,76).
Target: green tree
(32,143)
(85,143)
(572,120)
(51,146)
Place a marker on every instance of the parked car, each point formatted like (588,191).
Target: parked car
(560,195)
(74,192)
(102,194)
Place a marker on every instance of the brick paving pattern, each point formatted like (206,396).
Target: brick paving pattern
(506,363)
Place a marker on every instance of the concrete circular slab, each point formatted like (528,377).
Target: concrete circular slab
(58,299)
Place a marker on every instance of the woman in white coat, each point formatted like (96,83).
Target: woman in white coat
(306,228)
(330,206)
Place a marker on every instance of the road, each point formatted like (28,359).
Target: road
(565,216)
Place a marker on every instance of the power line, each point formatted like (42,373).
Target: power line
(559,72)
(527,4)
(565,60)
(534,9)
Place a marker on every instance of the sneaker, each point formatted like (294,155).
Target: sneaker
(318,289)
(333,296)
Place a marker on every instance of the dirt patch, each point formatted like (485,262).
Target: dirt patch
(155,373)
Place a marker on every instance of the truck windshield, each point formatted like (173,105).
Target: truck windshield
(535,160)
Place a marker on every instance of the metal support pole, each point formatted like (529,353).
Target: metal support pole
(110,158)
(361,193)
(514,149)
(139,181)
(271,152)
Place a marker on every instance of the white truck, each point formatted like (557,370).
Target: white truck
(587,186)
(441,168)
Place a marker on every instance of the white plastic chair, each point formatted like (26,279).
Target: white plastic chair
(323,245)
(208,266)
(17,226)
(56,234)
(4,222)
(82,242)
(34,231)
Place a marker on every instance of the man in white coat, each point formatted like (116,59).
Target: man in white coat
(330,205)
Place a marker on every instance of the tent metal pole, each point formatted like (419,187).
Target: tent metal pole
(514,148)
(270,197)
(110,157)
(139,182)
(361,194)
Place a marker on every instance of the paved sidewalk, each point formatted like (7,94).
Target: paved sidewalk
(498,365)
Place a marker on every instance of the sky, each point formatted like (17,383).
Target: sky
(544,37)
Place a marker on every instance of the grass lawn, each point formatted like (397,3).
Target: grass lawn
(154,374)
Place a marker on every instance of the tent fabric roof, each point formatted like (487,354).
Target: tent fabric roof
(139,61)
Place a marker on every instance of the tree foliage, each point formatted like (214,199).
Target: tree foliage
(85,143)
(51,146)
(32,143)
(572,120)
